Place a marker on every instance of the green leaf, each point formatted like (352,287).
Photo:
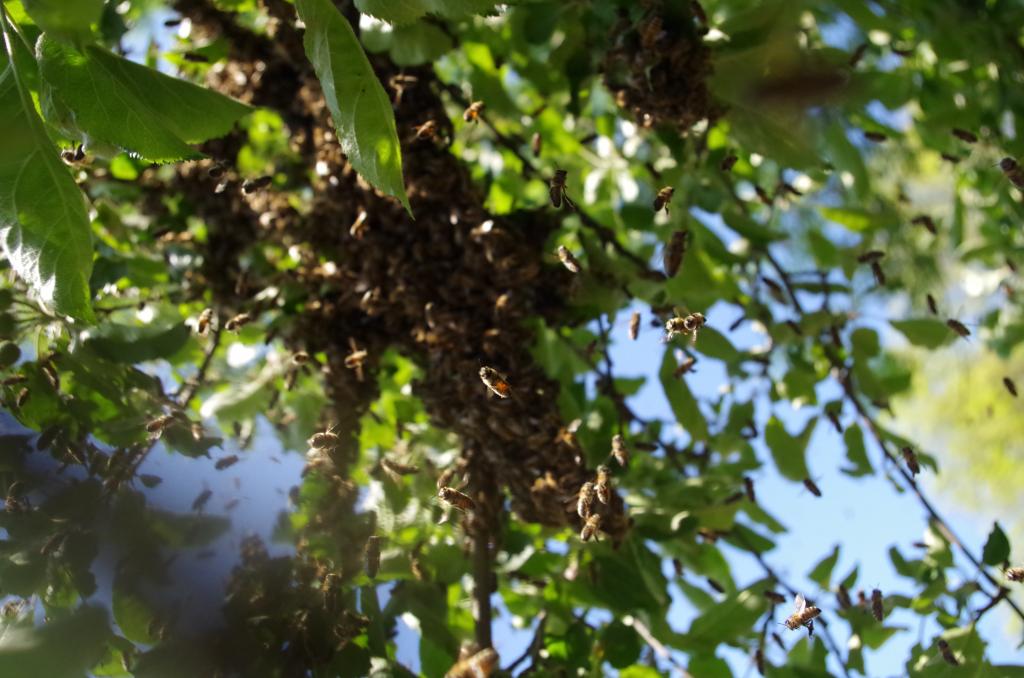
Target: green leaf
(131,612)
(787,450)
(408,11)
(65,19)
(725,621)
(853,218)
(44,226)
(997,548)
(856,453)
(821,574)
(418,44)
(683,404)
(116,101)
(621,644)
(359,105)
(926,332)
(128,344)
(64,647)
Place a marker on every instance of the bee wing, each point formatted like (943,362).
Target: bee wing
(568,202)
(556,196)
(801,604)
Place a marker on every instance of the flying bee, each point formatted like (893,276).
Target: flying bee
(203,324)
(201,499)
(72,156)
(685,367)
(1014,573)
(728,162)
(931,304)
(472,113)
(396,470)
(958,327)
(356,358)
(455,498)
(843,596)
(857,55)
(591,527)
(585,500)
(479,665)
(253,185)
(675,251)
(324,440)
(498,385)
(877,137)
(759,660)
(689,324)
(557,190)
(149,480)
(536,144)
(238,322)
(877,607)
(603,484)
(804,615)
(1010,386)
(763,196)
(812,487)
(876,270)
(964,135)
(869,256)
(748,486)
(225,462)
(300,358)
(663,198)
(619,450)
(911,459)
(1012,171)
(568,259)
(427,130)
(372,554)
(634,325)
(926,221)
(947,653)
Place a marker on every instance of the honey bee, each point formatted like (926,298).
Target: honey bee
(728,162)
(964,135)
(812,487)
(926,221)
(689,324)
(774,597)
(663,198)
(763,196)
(931,304)
(396,470)
(203,324)
(358,228)
(803,616)
(226,462)
(958,327)
(1014,574)
(535,144)
(372,556)
(877,271)
(619,450)
(591,527)
(759,660)
(253,185)
(557,190)
(150,481)
(72,156)
(585,500)
(1012,171)
(455,498)
(634,325)
(870,255)
(1010,386)
(160,423)
(238,322)
(201,499)
(857,55)
(950,158)
(911,460)
(675,252)
(479,665)
(568,259)
(685,367)
(748,486)
(877,137)
(877,607)
(843,596)
(498,385)
(947,653)
(427,130)
(300,358)
(603,484)
(472,113)
(216,171)
(324,440)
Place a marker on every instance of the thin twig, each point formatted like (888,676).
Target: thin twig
(533,649)
(191,387)
(482,586)
(658,648)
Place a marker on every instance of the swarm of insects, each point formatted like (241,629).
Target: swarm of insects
(804,615)
(585,500)
(1012,171)
(877,607)
(634,325)
(1015,574)
(663,198)
(498,385)
(557,191)
(619,450)
(479,665)
(911,460)
(372,556)
(238,322)
(472,113)
(603,484)
(591,527)
(675,252)
(689,324)
(568,259)
(453,497)
(947,653)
